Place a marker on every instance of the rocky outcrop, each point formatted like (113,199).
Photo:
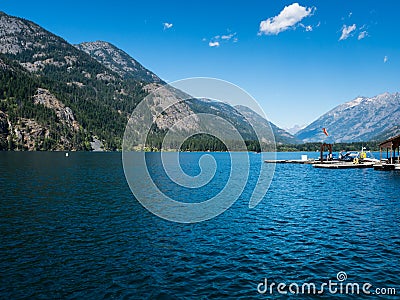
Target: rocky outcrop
(25,134)
(168,115)
(96,145)
(105,77)
(11,29)
(3,65)
(29,135)
(4,132)
(39,65)
(118,61)
(64,113)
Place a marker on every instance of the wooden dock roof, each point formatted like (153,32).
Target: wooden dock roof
(391,143)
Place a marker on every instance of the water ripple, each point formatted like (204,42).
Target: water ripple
(70,228)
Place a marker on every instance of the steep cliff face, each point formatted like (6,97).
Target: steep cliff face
(27,134)
(64,113)
(4,132)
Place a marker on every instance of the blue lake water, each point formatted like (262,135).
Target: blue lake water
(71,228)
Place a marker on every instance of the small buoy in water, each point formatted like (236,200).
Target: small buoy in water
(66,154)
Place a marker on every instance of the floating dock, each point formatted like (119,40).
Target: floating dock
(290,161)
(325,164)
(386,167)
(343,165)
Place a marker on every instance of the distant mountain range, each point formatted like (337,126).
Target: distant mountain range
(295,129)
(58,96)
(362,119)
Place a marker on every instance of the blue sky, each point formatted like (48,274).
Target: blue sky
(298,62)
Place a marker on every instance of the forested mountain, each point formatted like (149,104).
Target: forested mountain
(31,117)
(38,60)
(56,96)
(281,136)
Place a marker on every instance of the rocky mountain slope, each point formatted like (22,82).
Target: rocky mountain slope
(32,118)
(118,61)
(387,134)
(193,110)
(75,85)
(56,96)
(281,136)
(361,119)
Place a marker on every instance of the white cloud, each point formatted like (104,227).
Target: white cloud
(217,40)
(362,35)
(287,18)
(213,44)
(228,36)
(350,14)
(167,25)
(385,59)
(307,28)
(346,31)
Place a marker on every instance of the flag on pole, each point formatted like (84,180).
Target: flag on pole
(324,131)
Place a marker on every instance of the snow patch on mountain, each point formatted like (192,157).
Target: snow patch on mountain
(358,120)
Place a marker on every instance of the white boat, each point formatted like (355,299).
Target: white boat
(358,156)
